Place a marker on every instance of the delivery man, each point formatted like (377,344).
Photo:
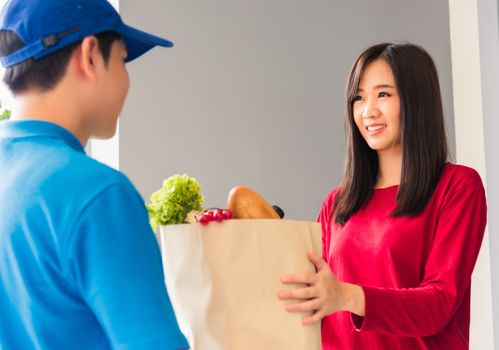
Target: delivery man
(79,264)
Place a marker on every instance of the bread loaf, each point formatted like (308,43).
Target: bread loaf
(248,204)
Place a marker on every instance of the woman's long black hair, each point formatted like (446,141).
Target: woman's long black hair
(423,137)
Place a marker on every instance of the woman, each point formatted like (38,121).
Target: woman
(402,232)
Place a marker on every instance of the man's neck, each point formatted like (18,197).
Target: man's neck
(52,108)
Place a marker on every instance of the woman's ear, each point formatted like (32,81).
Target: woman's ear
(87,58)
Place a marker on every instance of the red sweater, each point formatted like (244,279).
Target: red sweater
(415,271)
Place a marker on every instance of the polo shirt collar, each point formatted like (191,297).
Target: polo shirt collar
(38,128)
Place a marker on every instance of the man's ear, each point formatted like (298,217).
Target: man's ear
(87,58)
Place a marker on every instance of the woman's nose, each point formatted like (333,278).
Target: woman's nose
(370,109)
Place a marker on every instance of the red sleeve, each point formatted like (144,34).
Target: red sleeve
(427,309)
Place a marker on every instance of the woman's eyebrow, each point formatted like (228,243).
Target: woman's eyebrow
(381,86)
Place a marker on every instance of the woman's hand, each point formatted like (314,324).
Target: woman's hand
(323,294)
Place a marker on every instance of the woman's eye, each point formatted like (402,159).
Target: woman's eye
(383,94)
(357,98)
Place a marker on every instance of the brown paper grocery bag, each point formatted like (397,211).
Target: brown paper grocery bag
(223,279)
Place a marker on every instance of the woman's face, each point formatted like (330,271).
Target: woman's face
(376,108)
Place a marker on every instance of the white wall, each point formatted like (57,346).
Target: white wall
(474,38)
(488,22)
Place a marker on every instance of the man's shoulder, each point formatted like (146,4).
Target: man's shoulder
(84,166)
(89,177)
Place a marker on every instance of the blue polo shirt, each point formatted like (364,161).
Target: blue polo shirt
(79,264)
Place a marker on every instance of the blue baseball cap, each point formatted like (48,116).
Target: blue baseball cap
(46,26)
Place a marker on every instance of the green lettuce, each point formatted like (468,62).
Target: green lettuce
(4,112)
(170,204)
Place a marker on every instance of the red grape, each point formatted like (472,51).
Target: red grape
(218,215)
(227,214)
(204,219)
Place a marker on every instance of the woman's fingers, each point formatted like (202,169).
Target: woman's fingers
(317,297)
(316,317)
(310,305)
(297,294)
(316,260)
(302,278)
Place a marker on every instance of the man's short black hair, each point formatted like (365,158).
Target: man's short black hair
(44,74)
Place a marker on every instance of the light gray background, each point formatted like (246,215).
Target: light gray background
(489,54)
(253,92)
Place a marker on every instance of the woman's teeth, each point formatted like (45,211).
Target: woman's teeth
(376,127)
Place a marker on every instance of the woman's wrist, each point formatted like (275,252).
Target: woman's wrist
(354,299)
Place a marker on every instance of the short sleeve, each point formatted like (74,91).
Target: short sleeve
(115,263)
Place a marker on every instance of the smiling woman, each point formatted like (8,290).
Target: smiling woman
(376,112)
(403,230)
(393,85)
